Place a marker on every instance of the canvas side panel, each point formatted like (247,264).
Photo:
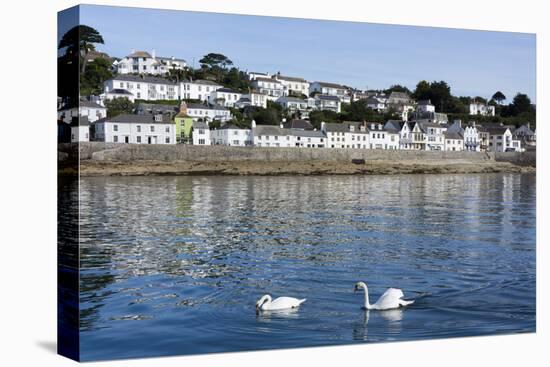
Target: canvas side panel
(67,191)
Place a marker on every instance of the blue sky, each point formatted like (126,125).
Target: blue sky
(356,54)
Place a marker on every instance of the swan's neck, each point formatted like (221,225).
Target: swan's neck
(367,304)
(267,299)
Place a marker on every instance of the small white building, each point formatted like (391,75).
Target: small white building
(331,89)
(399,133)
(434,135)
(328,103)
(136,129)
(117,93)
(380,138)
(376,104)
(270,87)
(80,129)
(254,74)
(231,135)
(478,108)
(141,62)
(268,136)
(471,138)
(198,89)
(91,110)
(142,87)
(348,134)
(308,138)
(208,113)
(454,141)
(293,104)
(293,85)
(501,140)
(424,106)
(200,132)
(224,97)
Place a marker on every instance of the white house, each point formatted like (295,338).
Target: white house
(348,134)
(418,136)
(471,138)
(208,113)
(272,88)
(197,89)
(331,89)
(400,131)
(142,87)
(501,139)
(136,129)
(201,133)
(380,138)
(454,141)
(526,135)
(293,85)
(328,102)
(478,108)
(225,97)
(308,138)
(425,106)
(141,62)
(293,104)
(231,135)
(80,129)
(434,135)
(376,104)
(91,110)
(271,136)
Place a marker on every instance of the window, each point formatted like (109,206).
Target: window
(115,127)
(152,129)
(167,129)
(202,142)
(115,139)
(235,142)
(138,139)
(236,132)
(138,128)
(167,140)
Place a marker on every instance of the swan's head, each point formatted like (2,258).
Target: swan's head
(359,286)
(262,300)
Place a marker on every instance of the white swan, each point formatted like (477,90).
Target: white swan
(391,299)
(282,303)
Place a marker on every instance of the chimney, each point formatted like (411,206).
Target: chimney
(529,125)
(323,126)
(183,107)
(133,51)
(281,125)
(253,124)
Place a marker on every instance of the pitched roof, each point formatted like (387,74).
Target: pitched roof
(205,107)
(290,78)
(200,125)
(336,127)
(227,90)
(269,80)
(394,125)
(142,79)
(399,95)
(138,119)
(453,135)
(232,127)
(307,133)
(496,130)
(298,124)
(331,85)
(270,130)
(140,54)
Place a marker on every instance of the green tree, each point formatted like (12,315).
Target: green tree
(215,63)
(97,72)
(118,106)
(316,117)
(521,103)
(499,97)
(80,41)
(398,88)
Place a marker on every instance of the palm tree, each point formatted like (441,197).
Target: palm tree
(79,41)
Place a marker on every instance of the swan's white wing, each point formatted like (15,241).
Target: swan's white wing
(390,299)
(282,303)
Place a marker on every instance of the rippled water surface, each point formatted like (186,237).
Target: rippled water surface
(174,265)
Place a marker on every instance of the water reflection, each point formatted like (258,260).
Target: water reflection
(189,256)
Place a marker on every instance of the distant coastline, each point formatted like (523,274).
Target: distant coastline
(100,159)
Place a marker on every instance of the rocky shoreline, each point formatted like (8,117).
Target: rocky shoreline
(258,168)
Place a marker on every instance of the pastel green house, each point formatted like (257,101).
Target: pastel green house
(184,124)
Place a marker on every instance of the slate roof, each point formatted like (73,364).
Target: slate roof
(453,135)
(326,97)
(200,125)
(119,91)
(394,125)
(270,130)
(336,127)
(140,54)
(232,127)
(202,82)
(269,80)
(205,107)
(307,133)
(227,90)
(291,78)
(298,124)
(137,119)
(331,85)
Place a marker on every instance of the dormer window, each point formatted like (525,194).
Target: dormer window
(158,118)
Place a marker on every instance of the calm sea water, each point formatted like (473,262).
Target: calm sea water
(174,265)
